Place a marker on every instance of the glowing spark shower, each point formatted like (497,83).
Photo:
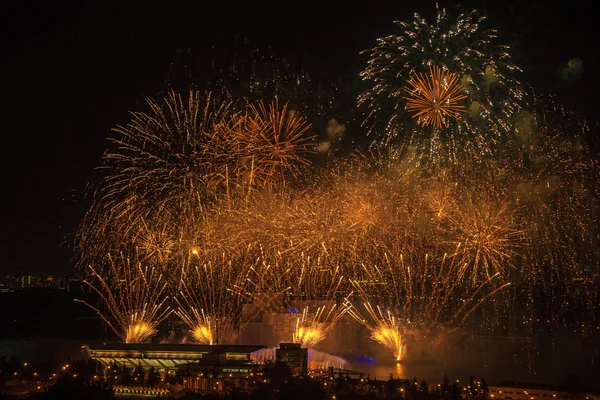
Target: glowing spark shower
(435,97)
(134,298)
(474,61)
(312,329)
(207,305)
(261,145)
(385,329)
(473,210)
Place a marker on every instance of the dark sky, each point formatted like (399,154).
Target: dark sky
(72,70)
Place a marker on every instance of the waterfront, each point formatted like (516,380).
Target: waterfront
(548,360)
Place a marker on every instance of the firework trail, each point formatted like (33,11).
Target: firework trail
(133,299)
(319,292)
(208,302)
(430,295)
(260,146)
(384,327)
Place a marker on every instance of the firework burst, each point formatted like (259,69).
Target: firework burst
(158,172)
(435,97)
(485,234)
(263,144)
(210,307)
(384,327)
(134,299)
(477,68)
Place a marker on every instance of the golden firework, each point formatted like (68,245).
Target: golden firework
(157,174)
(434,97)
(486,235)
(134,299)
(385,328)
(262,144)
(312,327)
(308,331)
(208,306)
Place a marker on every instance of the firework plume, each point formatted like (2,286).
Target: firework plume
(207,302)
(476,70)
(133,299)
(435,97)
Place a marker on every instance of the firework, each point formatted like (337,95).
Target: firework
(250,73)
(485,234)
(384,327)
(210,307)
(557,189)
(264,143)
(133,297)
(310,287)
(428,295)
(435,97)
(158,172)
(310,329)
(473,62)
(223,201)
(266,285)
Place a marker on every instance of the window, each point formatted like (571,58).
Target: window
(237,356)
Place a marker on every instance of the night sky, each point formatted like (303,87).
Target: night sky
(71,71)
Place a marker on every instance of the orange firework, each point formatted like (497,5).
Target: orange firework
(263,144)
(133,297)
(434,97)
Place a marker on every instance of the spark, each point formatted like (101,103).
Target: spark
(133,297)
(434,97)
(208,305)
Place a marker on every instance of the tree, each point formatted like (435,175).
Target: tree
(424,388)
(445,388)
(138,375)
(67,388)
(391,388)
(277,373)
(124,375)
(302,388)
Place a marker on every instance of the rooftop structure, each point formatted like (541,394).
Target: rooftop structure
(170,357)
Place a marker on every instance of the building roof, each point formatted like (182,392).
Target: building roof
(168,356)
(177,348)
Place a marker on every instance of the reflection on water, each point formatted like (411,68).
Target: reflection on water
(382,368)
(544,360)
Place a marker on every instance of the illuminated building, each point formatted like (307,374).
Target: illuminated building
(294,356)
(530,391)
(170,357)
(205,367)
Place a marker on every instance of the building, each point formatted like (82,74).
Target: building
(294,356)
(171,357)
(529,391)
(204,367)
